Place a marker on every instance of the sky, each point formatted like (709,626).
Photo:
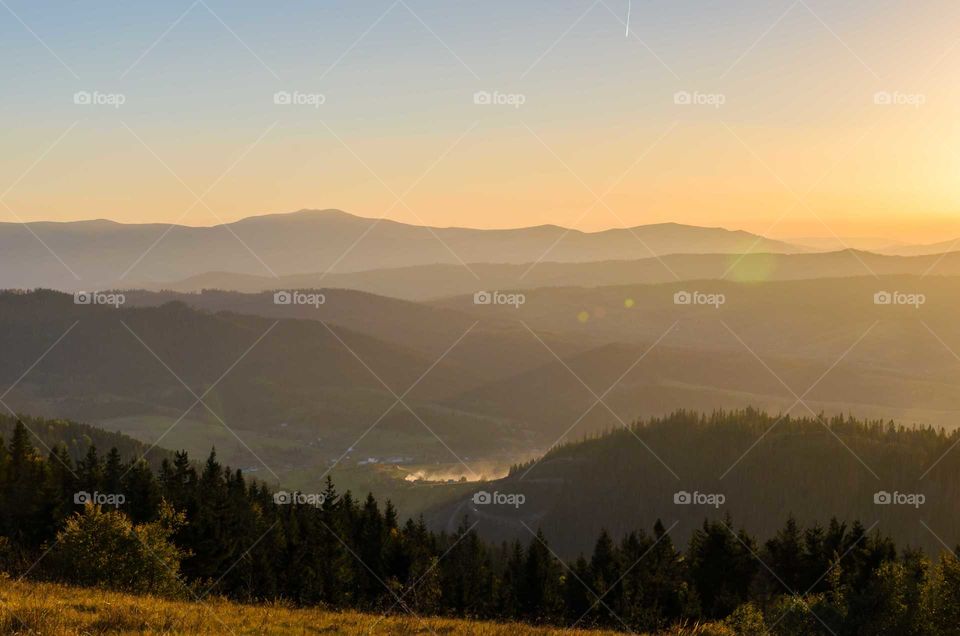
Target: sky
(785,118)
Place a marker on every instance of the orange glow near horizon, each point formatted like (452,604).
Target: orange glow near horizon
(792,152)
(743,178)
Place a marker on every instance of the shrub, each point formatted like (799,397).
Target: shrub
(105,549)
(747,620)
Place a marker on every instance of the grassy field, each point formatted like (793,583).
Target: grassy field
(48,609)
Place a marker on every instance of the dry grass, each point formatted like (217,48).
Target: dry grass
(57,610)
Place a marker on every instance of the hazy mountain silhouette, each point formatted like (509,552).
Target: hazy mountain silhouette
(918,250)
(107,254)
(877,244)
(428,282)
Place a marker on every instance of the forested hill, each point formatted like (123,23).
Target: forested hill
(764,467)
(76,438)
(189,531)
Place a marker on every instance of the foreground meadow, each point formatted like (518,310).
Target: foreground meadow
(58,610)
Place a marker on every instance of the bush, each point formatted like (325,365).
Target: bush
(747,620)
(794,616)
(105,549)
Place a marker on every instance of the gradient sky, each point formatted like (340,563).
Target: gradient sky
(799,148)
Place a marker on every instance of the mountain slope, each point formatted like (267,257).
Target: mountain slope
(765,468)
(77,438)
(466,340)
(293,392)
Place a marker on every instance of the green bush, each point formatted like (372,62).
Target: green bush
(105,549)
(747,620)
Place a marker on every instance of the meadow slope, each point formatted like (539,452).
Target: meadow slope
(58,610)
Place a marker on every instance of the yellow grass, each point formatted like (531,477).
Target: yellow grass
(47,609)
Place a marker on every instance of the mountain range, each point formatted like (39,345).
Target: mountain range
(432,282)
(401,379)
(331,248)
(99,254)
(304,385)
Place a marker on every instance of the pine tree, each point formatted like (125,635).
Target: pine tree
(112,472)
(540,591)
(605,572)
(784,555)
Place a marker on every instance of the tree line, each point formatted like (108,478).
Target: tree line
(194,530)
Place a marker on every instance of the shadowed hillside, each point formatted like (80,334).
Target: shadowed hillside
(767,468)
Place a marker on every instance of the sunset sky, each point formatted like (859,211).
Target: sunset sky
(799,146)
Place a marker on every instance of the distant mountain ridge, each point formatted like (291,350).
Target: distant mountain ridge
(431,282)
(99,254)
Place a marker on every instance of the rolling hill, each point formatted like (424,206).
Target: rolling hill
(504,382)
(281,394)
(873,360)
(434,282)
(765,468)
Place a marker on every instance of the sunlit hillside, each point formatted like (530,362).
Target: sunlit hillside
(57,610)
